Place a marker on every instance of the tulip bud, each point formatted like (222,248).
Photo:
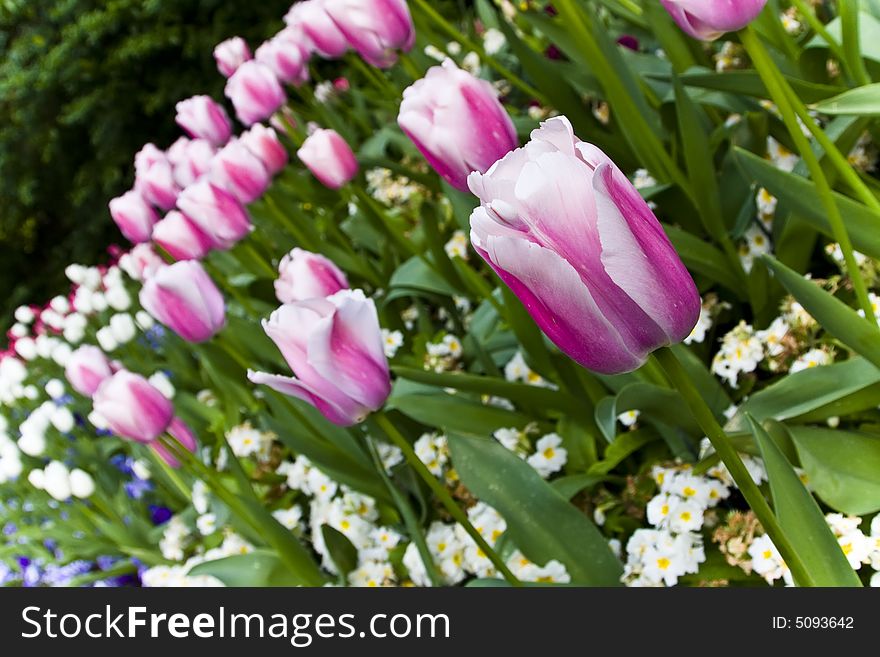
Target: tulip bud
(313,21)
(264,143)
(573,239)
(306,275)
(154,178)
(190,158)
(255,92)
(239,172)
(134,216)
(231,54)
(709,19)
(287,59)
(457,122)
(216,212)
(202,118)
(181,237)
(329,158)
(375,28)
(184,298)
(178,430)
(86,370)
(334,347)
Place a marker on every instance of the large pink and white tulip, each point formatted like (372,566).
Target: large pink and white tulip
(190,159)
(334,347)
(376,29)
(329,157)
(154,177)
(216,212)
(311,19)
(230,54)
(184,298)
(255,92)
(306,275)
(457,122)
(240,172)
(286,57)
(86,369)
(568,233)
(709,19)
(181,237)
(134,216)
(264,143)
(202,118)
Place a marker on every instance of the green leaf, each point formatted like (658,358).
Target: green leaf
(570,486)
(653,402)
(801,518)
(540,521)
(806,391)
(862,101)
(836,317)
(801,197)
(704,259)
(843,467)
(257,568)
(415,277)
(342,552)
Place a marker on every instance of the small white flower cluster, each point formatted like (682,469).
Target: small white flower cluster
(433,450)
(704,323)
(674,548)
(246,441)
(729,57)
(517,370)
(61,483)
(548,457)
(178,575)
(457,246)
(391,342)
(10,457)
(35,427)
(863,155)
(741,351)
(389,189)
(456,555)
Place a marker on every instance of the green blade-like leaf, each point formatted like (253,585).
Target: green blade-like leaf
(257,568)
(540,521)
(801,518)
(836,317)
(862,101)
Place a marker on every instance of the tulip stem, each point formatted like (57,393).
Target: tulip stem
(782,94)
(172,476)
(729,456)
(443,495)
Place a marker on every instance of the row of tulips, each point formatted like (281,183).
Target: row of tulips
(559,224)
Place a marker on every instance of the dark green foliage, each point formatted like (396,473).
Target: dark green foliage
(83,85)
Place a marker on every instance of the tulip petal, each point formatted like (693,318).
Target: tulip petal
(296,388)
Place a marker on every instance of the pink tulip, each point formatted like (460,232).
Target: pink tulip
(312,20)
(375,28)
(709,19)
(190,159)
(329,158)
(264,143)
(154,178)
(240,172)
(203,118)
(181,237)
(334,347)
(142,261)
(134,409)
(457,123)
(184,298)
(86,369)
(573,239)
(216,212)
(286,58)
(231,54)
(255,92)
(134,216)
(305,275)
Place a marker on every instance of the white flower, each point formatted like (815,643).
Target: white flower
(740,352)
(659,508)
(773,335)
(372,574)
(628,418)
(245,440)
(493,41)
(24,314)
(123,328)
(766,560)
(512,438)
(433,451)
(686,517)
(812,358)
(26,348)
(704,323)
(144,320)
(290,518)
(390,455)
(206,524)
(457,246)
(549,456)
(875,305)
(62,419)
(81,483)
(391,341)
(118,298)
(56,480)
(105,338)
(412,560)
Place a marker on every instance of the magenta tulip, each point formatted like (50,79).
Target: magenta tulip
(329,158)
(230,54)
(216,212)
(376,29)
(86,369)
(311,19)
(181,237)
(286,58)
(190,159)
(709,19)
(184,298)
(240,172)
(255,92)
(264,143)
(202,118)
(457,122)
(573,239)
(154,178)
(334,347)
(305,275)
(134,216)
